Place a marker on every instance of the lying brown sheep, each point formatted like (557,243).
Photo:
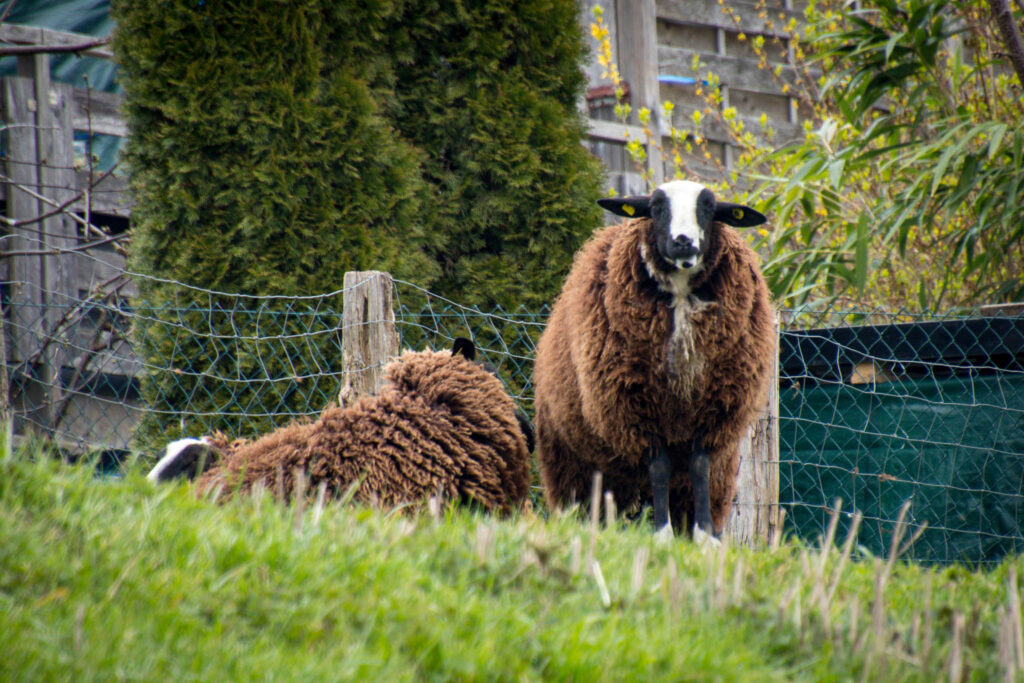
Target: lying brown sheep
(656,359)
(441,424)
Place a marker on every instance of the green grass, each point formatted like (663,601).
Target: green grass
(106,579)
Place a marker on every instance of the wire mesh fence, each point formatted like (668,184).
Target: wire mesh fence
(880,408)
(874,408)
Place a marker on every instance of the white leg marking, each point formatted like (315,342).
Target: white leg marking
(663,535)
(703,539)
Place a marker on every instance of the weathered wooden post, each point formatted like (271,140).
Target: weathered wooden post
(369,338)
(755,512)
(637,23)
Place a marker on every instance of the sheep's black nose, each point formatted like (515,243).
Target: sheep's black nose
(683,247)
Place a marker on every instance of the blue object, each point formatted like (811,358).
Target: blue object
(679,80)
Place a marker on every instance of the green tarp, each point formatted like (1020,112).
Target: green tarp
(953,446)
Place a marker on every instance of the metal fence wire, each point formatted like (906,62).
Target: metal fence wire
(874,408)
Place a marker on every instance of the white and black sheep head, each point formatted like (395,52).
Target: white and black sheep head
(683,216)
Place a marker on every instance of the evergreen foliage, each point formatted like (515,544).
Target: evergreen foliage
(260,164)
(489,91)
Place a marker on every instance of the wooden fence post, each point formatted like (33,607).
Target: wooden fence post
(637,23)
(755,512)
(369,338)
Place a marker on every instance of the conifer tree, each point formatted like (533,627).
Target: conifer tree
(261,164)
(489,91)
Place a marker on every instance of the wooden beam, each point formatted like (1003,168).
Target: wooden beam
(753,19)
(615,131)
(100,109)
(20,34)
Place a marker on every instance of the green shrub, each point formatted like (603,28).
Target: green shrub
(261,164)
(489,91)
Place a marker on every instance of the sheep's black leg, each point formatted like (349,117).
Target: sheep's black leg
(660,470)
(700,467)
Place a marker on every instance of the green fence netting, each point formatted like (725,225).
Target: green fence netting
(875,409)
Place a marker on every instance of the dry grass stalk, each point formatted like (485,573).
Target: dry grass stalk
(484,542)
(777,533)
(878,607)
(434,508)
(321,501)
(595,571)
(851,536)
(1018,629)
(643,553)
(830,536)
(299,494)
(719,593)
(955,666)
(609,510)
(258,491)
(819,593)
(595,517)
(926,644)
(575,552)
(1007,657)
(674,586)
(738,577)
(79,627)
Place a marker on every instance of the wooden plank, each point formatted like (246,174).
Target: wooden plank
(100,109)
(735,72)
(20,34)
(713,130)
(25,271)
(752,18)
(369,338)
(755,511)
(56,181)
(615,131)
(26,326)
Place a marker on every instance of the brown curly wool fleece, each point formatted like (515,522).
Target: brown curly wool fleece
(441,423)
(609,381)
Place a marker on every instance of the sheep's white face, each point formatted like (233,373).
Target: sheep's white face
(682,213)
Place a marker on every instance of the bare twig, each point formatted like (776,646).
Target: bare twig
(1003,16)
(67,318)
(58,208)
(53,251)
(96,345)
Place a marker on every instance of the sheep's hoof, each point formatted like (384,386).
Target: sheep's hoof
(663,535)
(703,539)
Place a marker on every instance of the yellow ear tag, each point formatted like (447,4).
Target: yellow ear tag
(737,214)
(628,209)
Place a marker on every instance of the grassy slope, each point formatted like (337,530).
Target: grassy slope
(115,578)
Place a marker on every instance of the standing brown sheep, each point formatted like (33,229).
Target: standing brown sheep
(441,424)
(656,359)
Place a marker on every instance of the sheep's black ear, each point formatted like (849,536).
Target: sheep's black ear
(630,207)
(738,215)
(465,347)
